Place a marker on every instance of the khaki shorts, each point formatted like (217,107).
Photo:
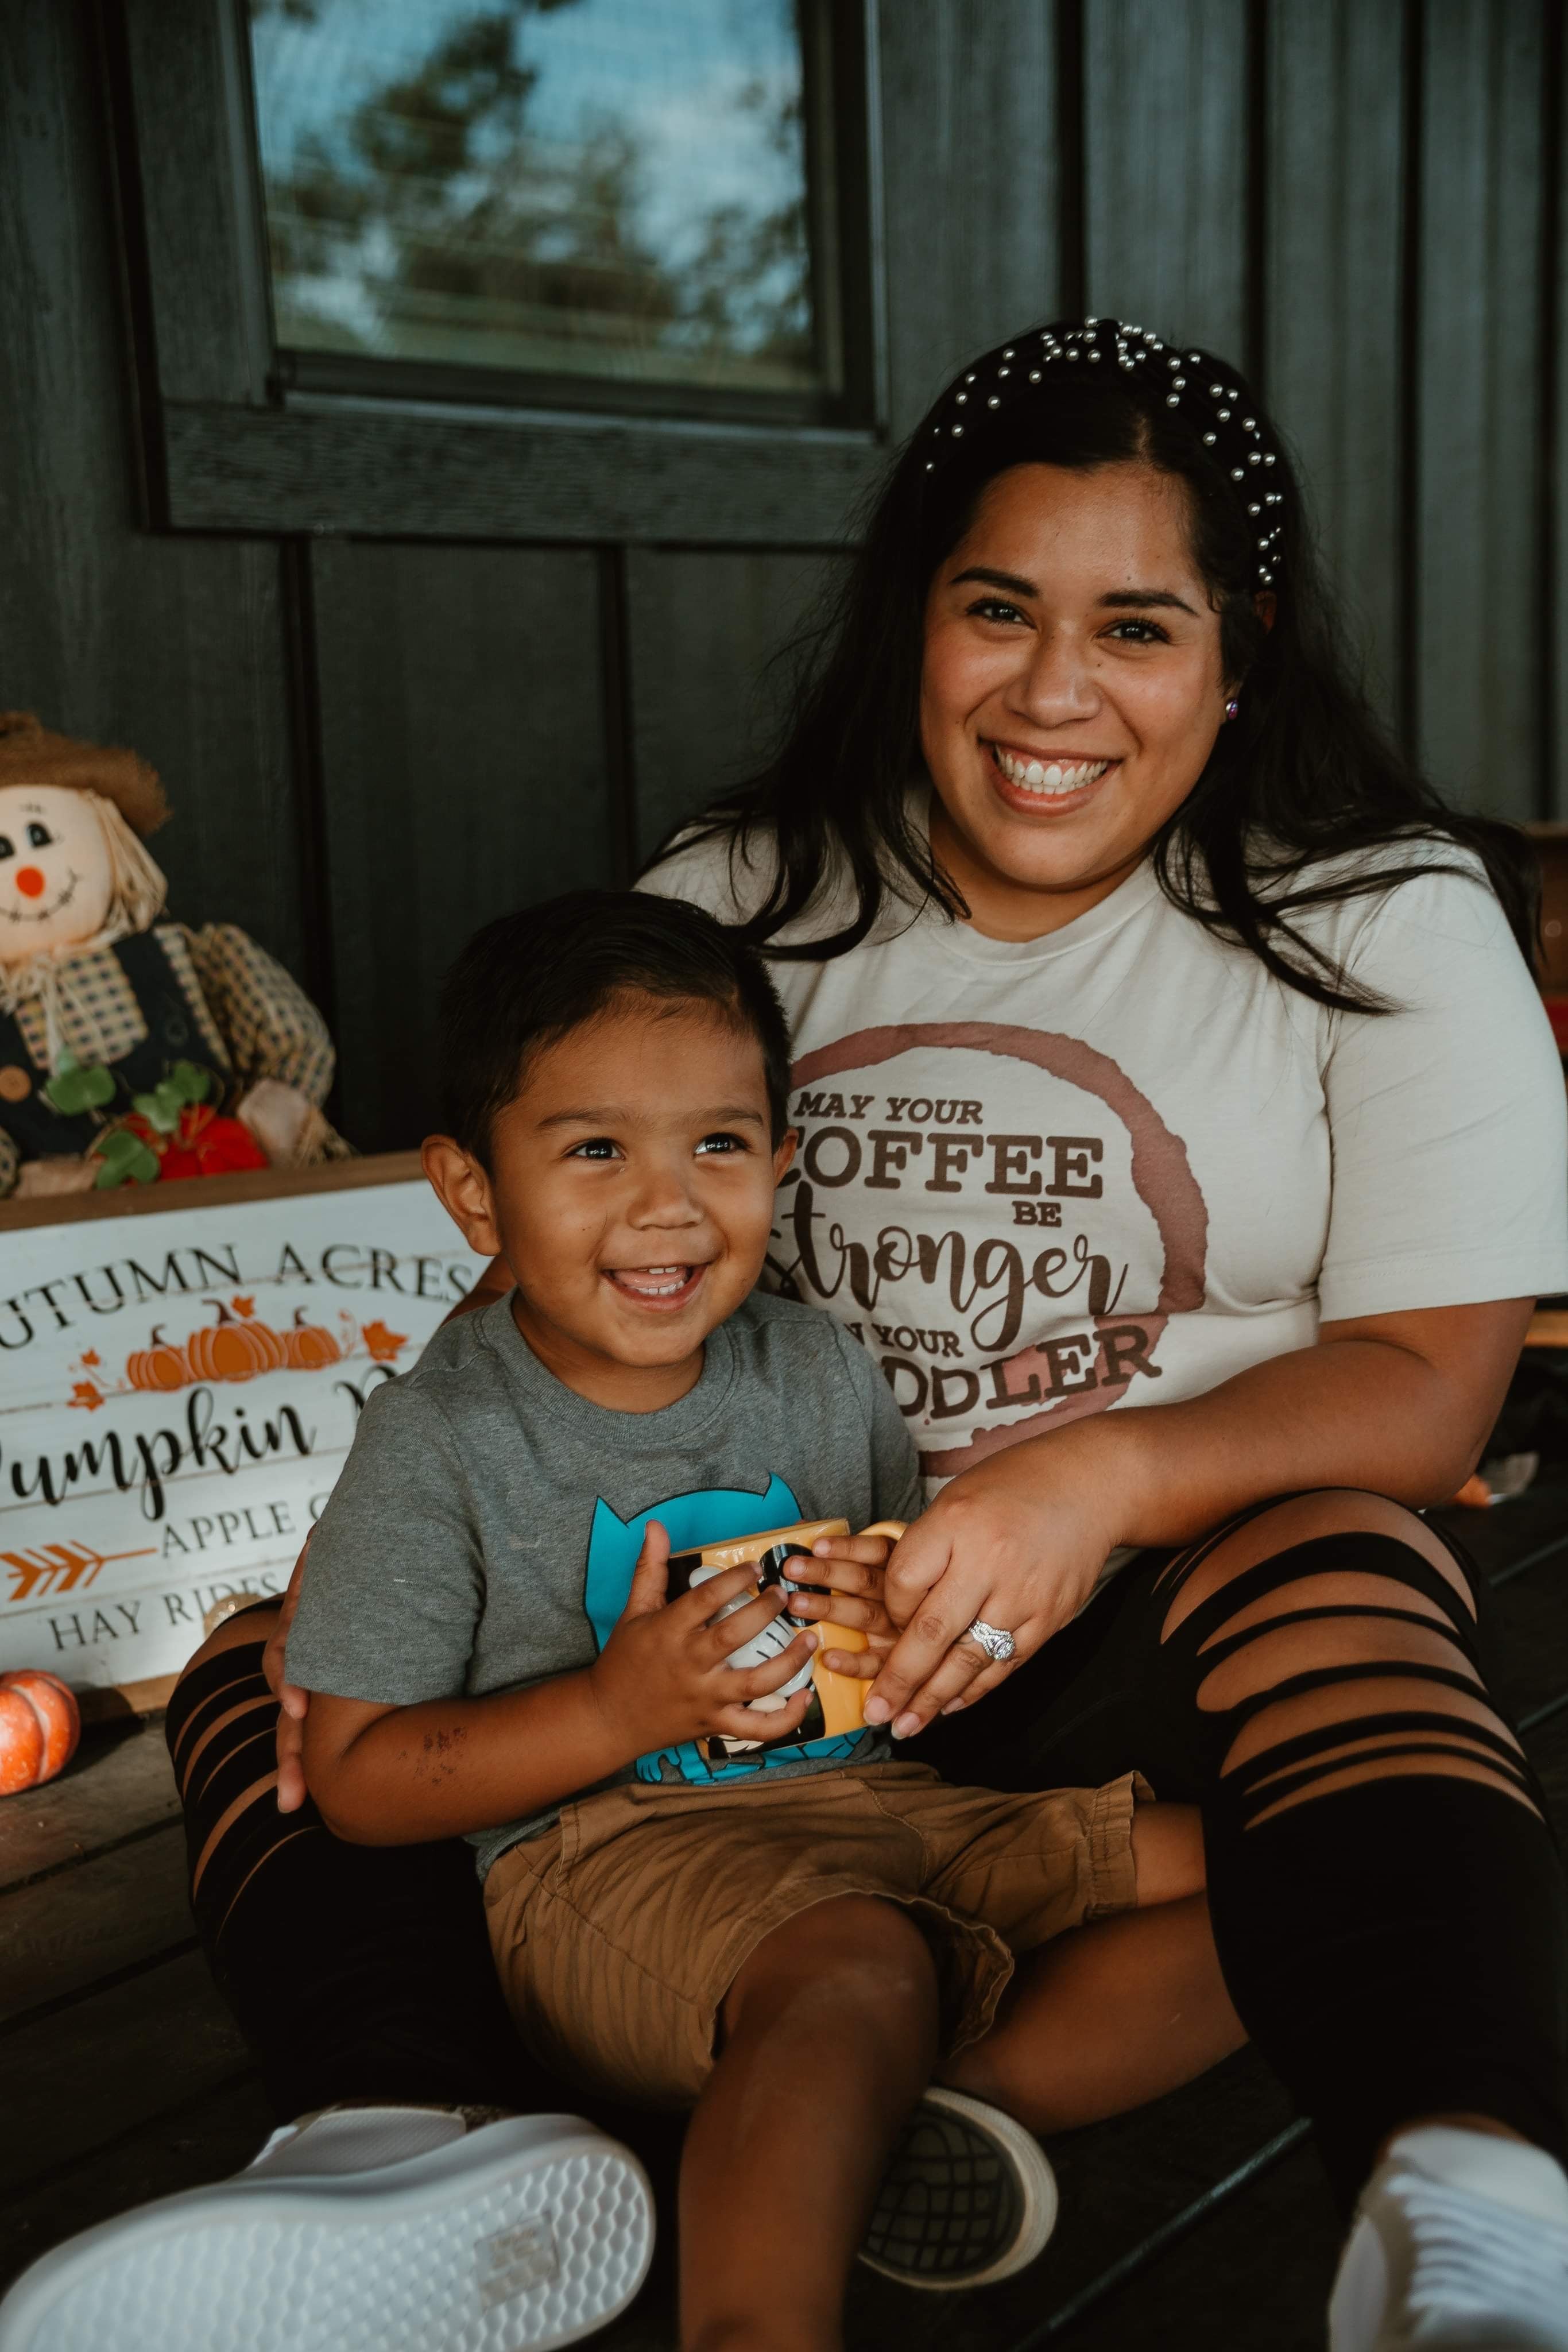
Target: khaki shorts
(618,1934)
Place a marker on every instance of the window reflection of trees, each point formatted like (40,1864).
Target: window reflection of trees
(427,220)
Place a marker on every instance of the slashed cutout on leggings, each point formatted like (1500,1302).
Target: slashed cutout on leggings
(1345,1658)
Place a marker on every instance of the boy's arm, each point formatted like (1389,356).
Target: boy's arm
(387,1775)
(397,1775)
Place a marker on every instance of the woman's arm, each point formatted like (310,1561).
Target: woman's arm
(494,1283)
(1399,1404)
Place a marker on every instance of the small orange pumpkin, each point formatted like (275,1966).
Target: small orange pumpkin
(231,1349)
(40,1723)
(309,1347)
(160,1366)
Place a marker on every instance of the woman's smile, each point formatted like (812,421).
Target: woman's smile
(1046,783)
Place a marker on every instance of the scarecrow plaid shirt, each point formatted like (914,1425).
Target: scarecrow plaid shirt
(236,992)
(273,1029)
(99,1019)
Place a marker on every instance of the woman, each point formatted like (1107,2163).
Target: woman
(1162,1041)
(1176,959)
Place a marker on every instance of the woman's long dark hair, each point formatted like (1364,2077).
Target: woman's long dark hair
(1307,771)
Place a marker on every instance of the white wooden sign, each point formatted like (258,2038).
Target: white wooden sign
(180,1371)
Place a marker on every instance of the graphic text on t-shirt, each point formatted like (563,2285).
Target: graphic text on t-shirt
(893,1209)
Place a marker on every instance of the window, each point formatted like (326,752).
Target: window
(601,202)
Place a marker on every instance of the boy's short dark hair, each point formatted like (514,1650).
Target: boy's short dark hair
(528,979)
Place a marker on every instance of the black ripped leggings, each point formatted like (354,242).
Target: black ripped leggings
(354,1971)
(1397,1946)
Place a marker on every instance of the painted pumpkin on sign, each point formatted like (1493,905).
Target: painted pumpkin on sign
(160,1366)
(40,1723)
(234,1349)
(310,1349)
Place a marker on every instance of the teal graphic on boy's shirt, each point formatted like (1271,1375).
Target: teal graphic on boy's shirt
(707,1515)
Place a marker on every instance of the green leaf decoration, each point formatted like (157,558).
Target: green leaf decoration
(119,1148)
(193,1082)
(73,1089)
(126,1160)
(161,1108)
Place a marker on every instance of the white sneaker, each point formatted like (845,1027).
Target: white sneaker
(1460,2241)
(967,2198)
(362,2229)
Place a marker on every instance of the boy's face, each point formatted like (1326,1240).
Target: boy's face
(631,1192)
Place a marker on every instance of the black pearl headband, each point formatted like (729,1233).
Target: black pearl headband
(1195,383)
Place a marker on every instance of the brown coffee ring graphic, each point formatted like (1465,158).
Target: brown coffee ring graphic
(1162,1179)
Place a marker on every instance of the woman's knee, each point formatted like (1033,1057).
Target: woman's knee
(246,1626)
(1284,1647)
(1336,1645)
(214,1709)
(1300,1519)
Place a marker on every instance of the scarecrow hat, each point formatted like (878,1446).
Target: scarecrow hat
(30,754)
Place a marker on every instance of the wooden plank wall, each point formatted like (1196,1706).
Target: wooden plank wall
(373,746)
(462,746)
(178,647)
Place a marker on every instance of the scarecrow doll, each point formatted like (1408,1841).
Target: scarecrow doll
(131,1048)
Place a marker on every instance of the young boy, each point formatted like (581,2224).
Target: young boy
(795,1936)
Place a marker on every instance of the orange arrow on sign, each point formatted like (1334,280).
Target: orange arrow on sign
(60,1568)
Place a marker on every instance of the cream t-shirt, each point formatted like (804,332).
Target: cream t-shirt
(1116,1165)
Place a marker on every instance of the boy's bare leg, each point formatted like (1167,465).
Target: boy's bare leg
(1118,2013)
(829,2038)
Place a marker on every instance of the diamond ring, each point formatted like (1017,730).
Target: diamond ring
(997,1645)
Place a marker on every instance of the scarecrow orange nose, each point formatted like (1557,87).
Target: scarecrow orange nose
(29,881)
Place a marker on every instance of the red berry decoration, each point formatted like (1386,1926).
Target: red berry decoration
(209,1145)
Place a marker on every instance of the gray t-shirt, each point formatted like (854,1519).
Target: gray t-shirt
(484,1531)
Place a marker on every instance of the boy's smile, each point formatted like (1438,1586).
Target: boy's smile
(660,1286)
(631,1192)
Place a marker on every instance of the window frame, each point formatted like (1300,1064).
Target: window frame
(240,437)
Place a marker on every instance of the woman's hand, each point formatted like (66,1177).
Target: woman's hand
(1019,1541)
(291,1699)
(853,1568)
(1396,1404)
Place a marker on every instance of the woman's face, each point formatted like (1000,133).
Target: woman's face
(1072,689)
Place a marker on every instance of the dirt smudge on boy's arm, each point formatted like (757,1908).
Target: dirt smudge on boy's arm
(441,1752)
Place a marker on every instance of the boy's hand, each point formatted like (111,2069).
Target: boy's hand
(663,1675)
(854,1568)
